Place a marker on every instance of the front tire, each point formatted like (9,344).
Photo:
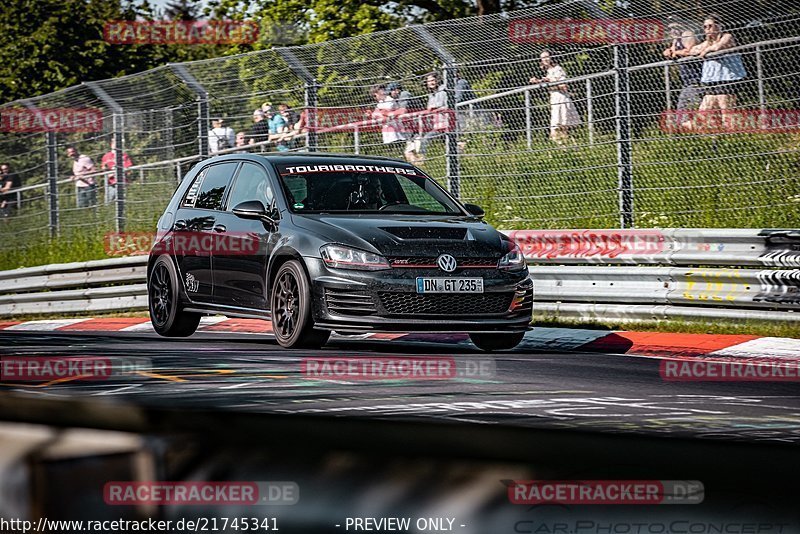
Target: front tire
(163,297)
(493,342)
(292,321)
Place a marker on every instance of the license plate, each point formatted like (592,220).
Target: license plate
(449,285)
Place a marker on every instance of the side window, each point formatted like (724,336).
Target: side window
(191,194)
(215,182)
(252,183)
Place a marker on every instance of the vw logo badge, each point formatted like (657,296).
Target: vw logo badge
(447,263)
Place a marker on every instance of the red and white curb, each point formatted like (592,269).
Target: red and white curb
(651,344)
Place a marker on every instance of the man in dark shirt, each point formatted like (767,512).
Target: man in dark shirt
(683,39)
(260,130)
(8,182)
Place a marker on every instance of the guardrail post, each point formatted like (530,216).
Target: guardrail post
(119,150)
(52,181)
(202,105)
(623,131)
(528,121)
(762,102)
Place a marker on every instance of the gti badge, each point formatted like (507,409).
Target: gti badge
(191,283)
(447,263)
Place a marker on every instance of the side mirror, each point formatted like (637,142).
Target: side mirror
(475,210)
(252,209)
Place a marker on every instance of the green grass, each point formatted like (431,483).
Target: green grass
(735,181)
(719,326)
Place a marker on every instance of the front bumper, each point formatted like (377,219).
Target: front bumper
(387,301)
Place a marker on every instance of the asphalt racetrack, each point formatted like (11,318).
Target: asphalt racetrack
(526,387)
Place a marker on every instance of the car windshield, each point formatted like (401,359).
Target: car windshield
(310,190)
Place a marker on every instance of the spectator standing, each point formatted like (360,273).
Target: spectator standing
(563,113)
(437,119)
(220,136)
(387,111)
(402,98)
(683,41)
(109,162)
(8,183)
(720,73)
(82,166)
(260,130)
(241,143)
(277,126)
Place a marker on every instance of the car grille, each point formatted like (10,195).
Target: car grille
(430,263)
(397,303)
(349,302)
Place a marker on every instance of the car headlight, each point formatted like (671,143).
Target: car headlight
(339,257)
(514,260)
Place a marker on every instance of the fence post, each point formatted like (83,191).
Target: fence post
(356,140)
(202,105)
(453,158)
(119,167)
(52,181)
(668,87)
(312,110)
(528,122)
(589,111)
(310,89)
(623,132)
(762,103)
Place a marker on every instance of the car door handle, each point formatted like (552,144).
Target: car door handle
(180,225)
(220,228)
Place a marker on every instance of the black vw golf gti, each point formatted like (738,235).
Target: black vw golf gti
(320,242)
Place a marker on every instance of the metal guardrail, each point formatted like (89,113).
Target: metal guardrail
(588,274)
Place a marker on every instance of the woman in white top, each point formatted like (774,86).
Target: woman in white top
(563,113)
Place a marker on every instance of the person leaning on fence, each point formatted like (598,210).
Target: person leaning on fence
(260,130)
(388,112)
(8,183)
(683,40)
(86,187)
(109,162)
(241,143)
(720,73)
(220,137)
(435,122)
(563,113)
(277,126)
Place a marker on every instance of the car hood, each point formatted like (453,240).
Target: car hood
(408,235)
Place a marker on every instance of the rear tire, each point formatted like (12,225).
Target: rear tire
(493,342)
(163,297)
(291,298)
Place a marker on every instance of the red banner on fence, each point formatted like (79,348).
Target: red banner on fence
(753,121)
(332,120)
(182,32)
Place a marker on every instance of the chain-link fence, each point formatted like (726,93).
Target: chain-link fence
(556,117)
